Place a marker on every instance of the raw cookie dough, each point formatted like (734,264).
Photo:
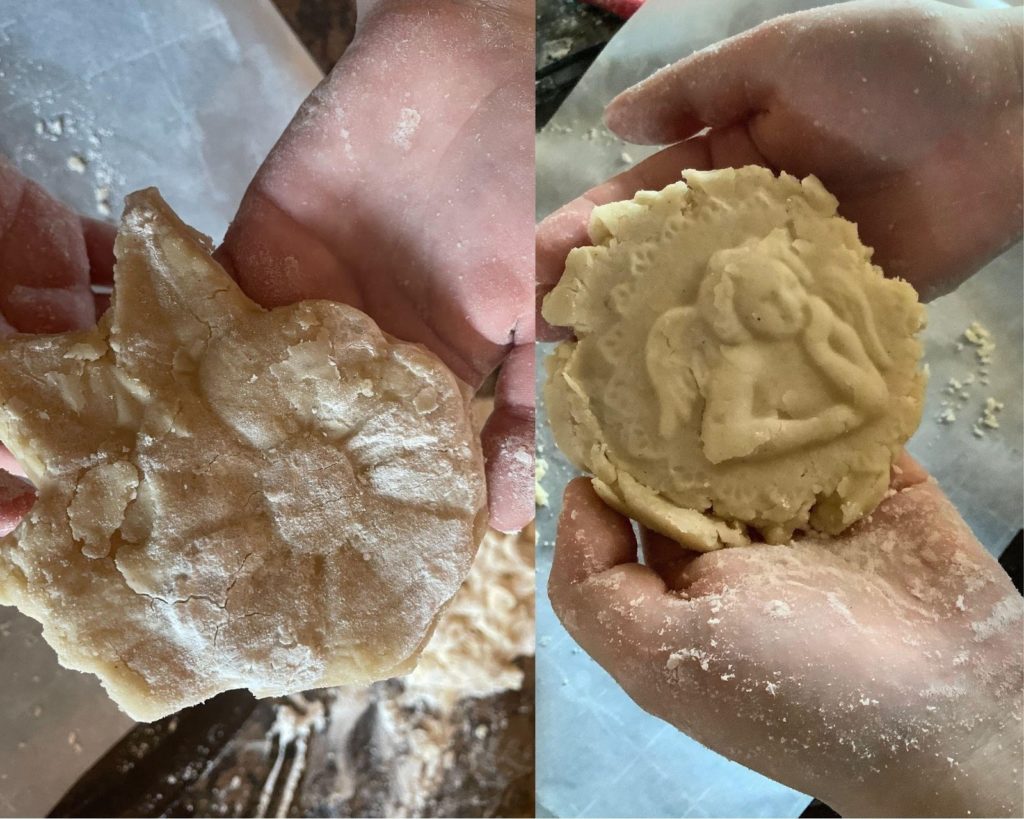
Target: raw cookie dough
(231,497)
(739,361)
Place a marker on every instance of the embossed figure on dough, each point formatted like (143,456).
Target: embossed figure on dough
(792,368)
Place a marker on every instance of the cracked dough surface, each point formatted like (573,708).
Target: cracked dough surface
(230,497)
(739,363)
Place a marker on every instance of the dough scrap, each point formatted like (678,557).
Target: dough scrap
(230,497)
(489,624)
(738,362)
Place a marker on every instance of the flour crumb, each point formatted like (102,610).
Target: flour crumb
(779,609)
(101,195)
(77,163)
(677,658)
(53,127)
(1004,613)
(408,124)
(837,605)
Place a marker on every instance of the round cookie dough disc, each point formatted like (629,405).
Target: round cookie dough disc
(738,361)
(230,497)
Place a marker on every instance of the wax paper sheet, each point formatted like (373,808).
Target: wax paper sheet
(99,99)
(599,754)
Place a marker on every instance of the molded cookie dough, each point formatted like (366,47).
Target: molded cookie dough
(738,360)
(230,497)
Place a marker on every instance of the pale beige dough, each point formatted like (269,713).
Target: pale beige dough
(231,497)
(739,363)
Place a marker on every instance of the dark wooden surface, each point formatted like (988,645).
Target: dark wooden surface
(325,27)
(569,36)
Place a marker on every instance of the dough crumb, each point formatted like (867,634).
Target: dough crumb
(980,337)
(540,493)
(988,414)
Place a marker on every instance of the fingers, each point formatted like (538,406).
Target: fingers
(907,472)
(733,147)
(44,267)
(277,259)
(99,248)
(508,442)
(566,228)
(16,498)
(8,464)
(667,558)
(592,538)
(721,85)
(610,604)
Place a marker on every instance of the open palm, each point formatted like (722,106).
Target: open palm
(879,670)
(405,194)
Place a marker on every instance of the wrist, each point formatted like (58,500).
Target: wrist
(516,8)
(962,777)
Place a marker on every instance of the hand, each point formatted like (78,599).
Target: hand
(399,189)
(879,670)
(49,259)
(909,113)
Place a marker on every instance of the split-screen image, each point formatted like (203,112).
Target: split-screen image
(492,408)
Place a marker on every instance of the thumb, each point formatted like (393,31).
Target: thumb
(508,441)
(16,498)
(718,86)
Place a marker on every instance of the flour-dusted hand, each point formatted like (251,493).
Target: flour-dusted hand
(909,112)
(401,188)
(879,671)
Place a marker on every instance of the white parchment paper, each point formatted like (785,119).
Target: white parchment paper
(598,754)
